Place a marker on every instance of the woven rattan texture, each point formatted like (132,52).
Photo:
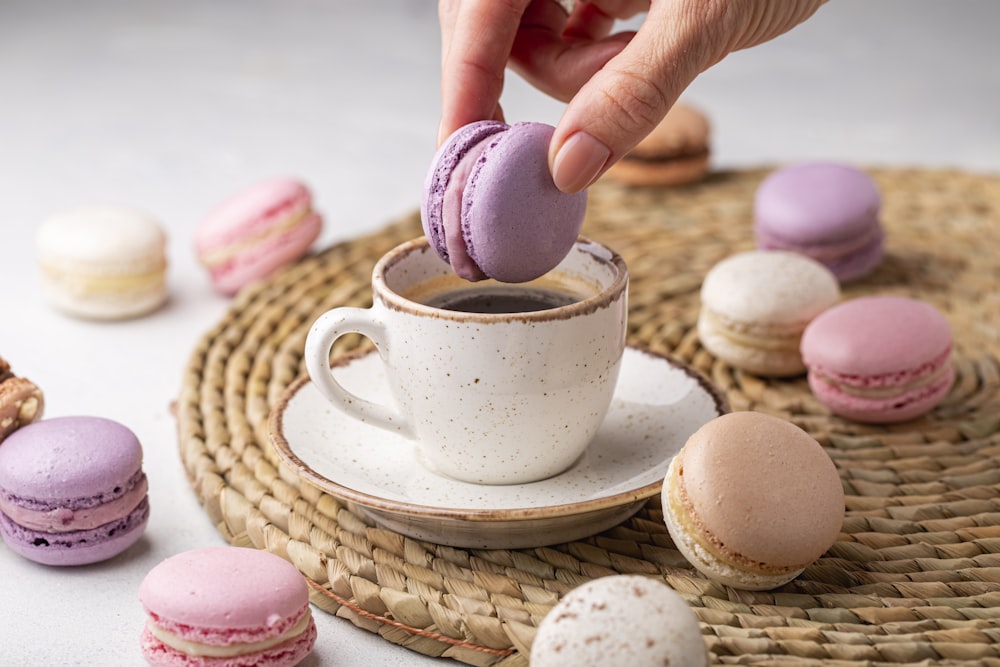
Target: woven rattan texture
(913,579)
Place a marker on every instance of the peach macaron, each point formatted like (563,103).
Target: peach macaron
(676,152)
(751,500)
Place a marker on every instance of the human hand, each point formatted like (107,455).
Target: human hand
(618,86)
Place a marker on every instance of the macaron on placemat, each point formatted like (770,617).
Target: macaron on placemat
(913,576)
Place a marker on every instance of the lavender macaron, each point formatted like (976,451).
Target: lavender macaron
(824,210)
(72,490)
(489,205)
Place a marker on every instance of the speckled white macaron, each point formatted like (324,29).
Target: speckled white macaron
(103,262)
(755,306)
(620,620)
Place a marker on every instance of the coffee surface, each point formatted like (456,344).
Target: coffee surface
(498,300)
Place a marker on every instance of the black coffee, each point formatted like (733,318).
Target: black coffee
(497,300)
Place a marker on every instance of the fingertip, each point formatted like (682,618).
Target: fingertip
(578,162)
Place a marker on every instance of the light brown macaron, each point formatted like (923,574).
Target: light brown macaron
(751,500)
(676,152)
(21,402)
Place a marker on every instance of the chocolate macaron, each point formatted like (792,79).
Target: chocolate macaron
(676,152)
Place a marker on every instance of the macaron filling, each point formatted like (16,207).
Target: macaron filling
(761,336)
(871,237)
(109,283)
(926,379)
(451,215)
(75,539)
(71,516)
(287,220)
(223,645)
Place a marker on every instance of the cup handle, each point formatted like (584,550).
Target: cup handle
(330,326)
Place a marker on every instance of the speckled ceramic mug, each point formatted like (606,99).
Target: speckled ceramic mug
(488,397)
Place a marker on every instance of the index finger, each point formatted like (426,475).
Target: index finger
(476,40)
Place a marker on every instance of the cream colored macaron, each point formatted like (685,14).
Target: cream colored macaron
(620,620)
(751,500)
(755,306)
(103,262)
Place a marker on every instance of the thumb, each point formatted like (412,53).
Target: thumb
(628,97)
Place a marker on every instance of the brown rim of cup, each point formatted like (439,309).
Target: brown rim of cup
(395,301)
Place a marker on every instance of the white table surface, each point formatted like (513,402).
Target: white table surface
(171,106)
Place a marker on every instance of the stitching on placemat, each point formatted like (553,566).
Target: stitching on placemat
(402,626)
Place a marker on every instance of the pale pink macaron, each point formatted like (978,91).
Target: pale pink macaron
(257,231)
(226,607)
(879,359)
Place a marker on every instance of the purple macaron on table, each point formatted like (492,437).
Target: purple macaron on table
(826,210)
(72,490)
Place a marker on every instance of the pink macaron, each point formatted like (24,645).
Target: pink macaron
(824,210)
(256,232)
(879,359)
(489,206)
(226,607)
(72,490)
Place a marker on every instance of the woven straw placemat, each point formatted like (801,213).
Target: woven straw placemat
(913,579)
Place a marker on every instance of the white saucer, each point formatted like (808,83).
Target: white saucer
(658,403)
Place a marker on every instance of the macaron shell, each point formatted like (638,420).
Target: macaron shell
(859,262)
(773,287)
(817,203)
(66,459)
(104,239)
(620,620)
(287,654)
(876,338)
(72,296)
(438,177)
(218,595)
(889,410)
(251,212)
(80,547)
(516,223)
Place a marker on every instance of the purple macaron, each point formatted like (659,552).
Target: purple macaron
(825,210)
(72,490)
(490,208)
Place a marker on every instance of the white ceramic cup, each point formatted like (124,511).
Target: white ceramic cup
(489,398)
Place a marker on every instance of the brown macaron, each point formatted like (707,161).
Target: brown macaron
(676,152)
(751,500)
(21,402)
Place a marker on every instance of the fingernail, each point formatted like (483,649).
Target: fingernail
(578,162)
